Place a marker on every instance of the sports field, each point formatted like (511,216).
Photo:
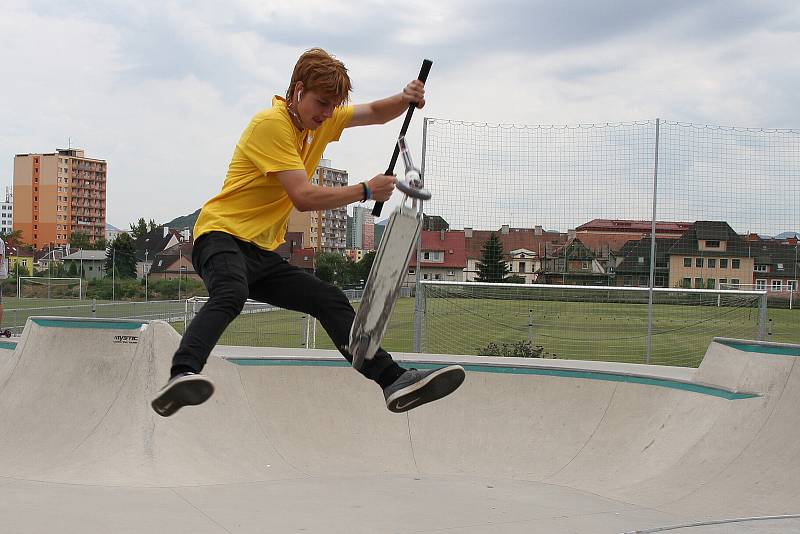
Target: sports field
(569,330)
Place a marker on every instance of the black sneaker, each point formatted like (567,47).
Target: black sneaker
(415,388)
(185,389)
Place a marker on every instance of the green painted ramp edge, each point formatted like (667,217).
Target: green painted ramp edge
(563,373)
(782,350)
(8,345)
(103,325)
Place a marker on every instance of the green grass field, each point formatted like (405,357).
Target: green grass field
(608,332)
(571,330)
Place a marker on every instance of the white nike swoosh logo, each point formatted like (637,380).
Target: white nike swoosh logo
(400,406)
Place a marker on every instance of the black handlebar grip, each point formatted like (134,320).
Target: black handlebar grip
(423,76)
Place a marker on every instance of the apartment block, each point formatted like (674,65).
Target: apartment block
(363,228)
(57,195)
(325,230)
(7,213)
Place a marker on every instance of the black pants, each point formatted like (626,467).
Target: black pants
(234,271)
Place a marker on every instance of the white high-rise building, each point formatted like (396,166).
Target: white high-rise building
(7,213)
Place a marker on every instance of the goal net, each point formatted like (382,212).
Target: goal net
(583,322)
(49,288)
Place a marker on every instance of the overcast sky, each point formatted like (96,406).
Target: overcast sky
(163,89)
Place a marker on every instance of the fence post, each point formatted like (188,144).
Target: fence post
(94,308)
(762,318)
(652,252)
(419,315)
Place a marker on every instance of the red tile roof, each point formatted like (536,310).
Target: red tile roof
(516,238)
(451,242)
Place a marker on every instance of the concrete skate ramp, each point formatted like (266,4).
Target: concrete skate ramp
(296,441)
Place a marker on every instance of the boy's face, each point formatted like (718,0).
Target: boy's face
(314,108)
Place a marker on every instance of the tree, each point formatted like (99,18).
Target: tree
(79,241)
(152,225)
(139,229)
(100,244)
(492,267)
(121,255)
(365,265)
(13,237)
(331,267)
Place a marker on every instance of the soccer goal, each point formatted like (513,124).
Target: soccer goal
(49,288)
(584,322)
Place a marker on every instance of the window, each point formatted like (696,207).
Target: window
(641,259)
(698,262)
(412,270)
(735,282)
(687,262)
(522,266)
(723,263)
(736,264)
(761,285)
(723,283)
(761,268)
(450,273)
(643,281)
(712,263)
(712,244)
(628,281)
(687,283)
(425,276)
(698,283)
(711,283)
(777,285)
(791,286)
(585,265)
(780,266)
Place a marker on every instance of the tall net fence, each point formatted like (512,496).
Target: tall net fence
(584,322)
(575,205)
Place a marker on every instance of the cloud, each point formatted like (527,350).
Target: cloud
(162,90)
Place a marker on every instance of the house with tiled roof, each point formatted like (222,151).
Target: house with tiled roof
(151,243)
(633,263)
(776,265)
(606,237)
(174,262)
(573,263)
(709,254)
(443,257)
(524,249)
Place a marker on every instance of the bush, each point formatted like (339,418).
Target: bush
(517,349)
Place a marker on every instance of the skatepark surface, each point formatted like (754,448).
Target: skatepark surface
(296,441)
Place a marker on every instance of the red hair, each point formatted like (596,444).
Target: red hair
(323,73)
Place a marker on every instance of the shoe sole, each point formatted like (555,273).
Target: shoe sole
(185,391)
(433,387)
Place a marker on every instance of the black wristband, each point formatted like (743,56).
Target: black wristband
(367,194)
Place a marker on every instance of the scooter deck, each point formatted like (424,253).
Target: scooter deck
(383,283)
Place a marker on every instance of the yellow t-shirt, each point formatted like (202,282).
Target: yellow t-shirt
(253,205)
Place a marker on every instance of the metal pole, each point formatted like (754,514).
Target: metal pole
(762,318)
(145,275)
(113,274)
(419,304)
(652,251)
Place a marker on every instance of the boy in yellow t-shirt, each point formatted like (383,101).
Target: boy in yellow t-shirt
(238,230)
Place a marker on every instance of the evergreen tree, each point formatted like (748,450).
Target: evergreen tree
(122,252)
(492,267)
(139,229)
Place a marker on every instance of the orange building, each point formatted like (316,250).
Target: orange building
(57,195)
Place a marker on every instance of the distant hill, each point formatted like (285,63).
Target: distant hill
(185,221)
